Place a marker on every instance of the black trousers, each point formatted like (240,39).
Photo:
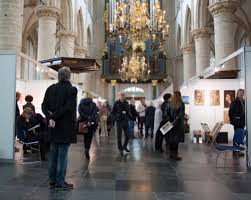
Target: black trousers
(151,126)
(141,124)
(88,138)
(174,146)
(122,126)
(160,137)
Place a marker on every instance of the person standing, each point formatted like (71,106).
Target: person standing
(237,118)
(150,112)
(237,111)
(142,113)
(122,114)
(29,104)
(109,119)
(134,117)
(88,113)
(18,96)
(176,112)
(165,118)
(59,107)
(103,116)
(157,118)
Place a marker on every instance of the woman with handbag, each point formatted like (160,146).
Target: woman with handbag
(87,122)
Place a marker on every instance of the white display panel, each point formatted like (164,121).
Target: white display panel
(248,100)
(7,104)
(206,113)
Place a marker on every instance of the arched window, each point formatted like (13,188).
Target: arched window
(134,90)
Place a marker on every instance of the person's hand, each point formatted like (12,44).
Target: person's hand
(52,123)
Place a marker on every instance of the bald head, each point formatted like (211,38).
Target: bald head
(122,96)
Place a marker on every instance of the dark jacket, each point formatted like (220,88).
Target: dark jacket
(60,103)
(165,107)
(134,112)
(17,111)
(22,127)
(150,113)
(88,111)
(237,113)
(177,133)
(121,111)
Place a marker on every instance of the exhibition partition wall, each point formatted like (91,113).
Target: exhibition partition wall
(242,58)
(246,55)
(37,89)
(207,101)
(7,104)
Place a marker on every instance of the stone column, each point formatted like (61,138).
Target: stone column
(47,24)
(224,28)
(80,52)
(188,62)
(11,20)
(202,49)
(154,84)
(67,43)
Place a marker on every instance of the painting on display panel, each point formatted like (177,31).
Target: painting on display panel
(199,97)
(214,97)
(229,96)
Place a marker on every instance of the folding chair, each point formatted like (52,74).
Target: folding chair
(220,149)
(31,145)
(212,135)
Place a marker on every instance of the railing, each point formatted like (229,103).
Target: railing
(30,69)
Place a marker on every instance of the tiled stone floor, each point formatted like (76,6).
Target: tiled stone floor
(142,175)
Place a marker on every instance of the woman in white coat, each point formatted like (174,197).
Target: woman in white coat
(157,119)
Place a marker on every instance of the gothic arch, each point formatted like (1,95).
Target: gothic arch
(67,14)
(80,28)
(89,40)
(178,41)
(202,17)
(187,27)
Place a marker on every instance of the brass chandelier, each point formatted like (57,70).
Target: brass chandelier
(134,70)
(134,22)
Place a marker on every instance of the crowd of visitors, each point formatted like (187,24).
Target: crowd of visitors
(61,125)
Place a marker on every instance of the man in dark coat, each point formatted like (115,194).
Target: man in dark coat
(237,118)
(122,115)
(150,113)
(59,107)
(237,111)
(165,118)
(134,118)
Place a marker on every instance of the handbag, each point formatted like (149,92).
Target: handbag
(82,127)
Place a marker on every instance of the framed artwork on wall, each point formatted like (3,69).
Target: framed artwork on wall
(214,97)
(229,96)
(199,97)
(185,99)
